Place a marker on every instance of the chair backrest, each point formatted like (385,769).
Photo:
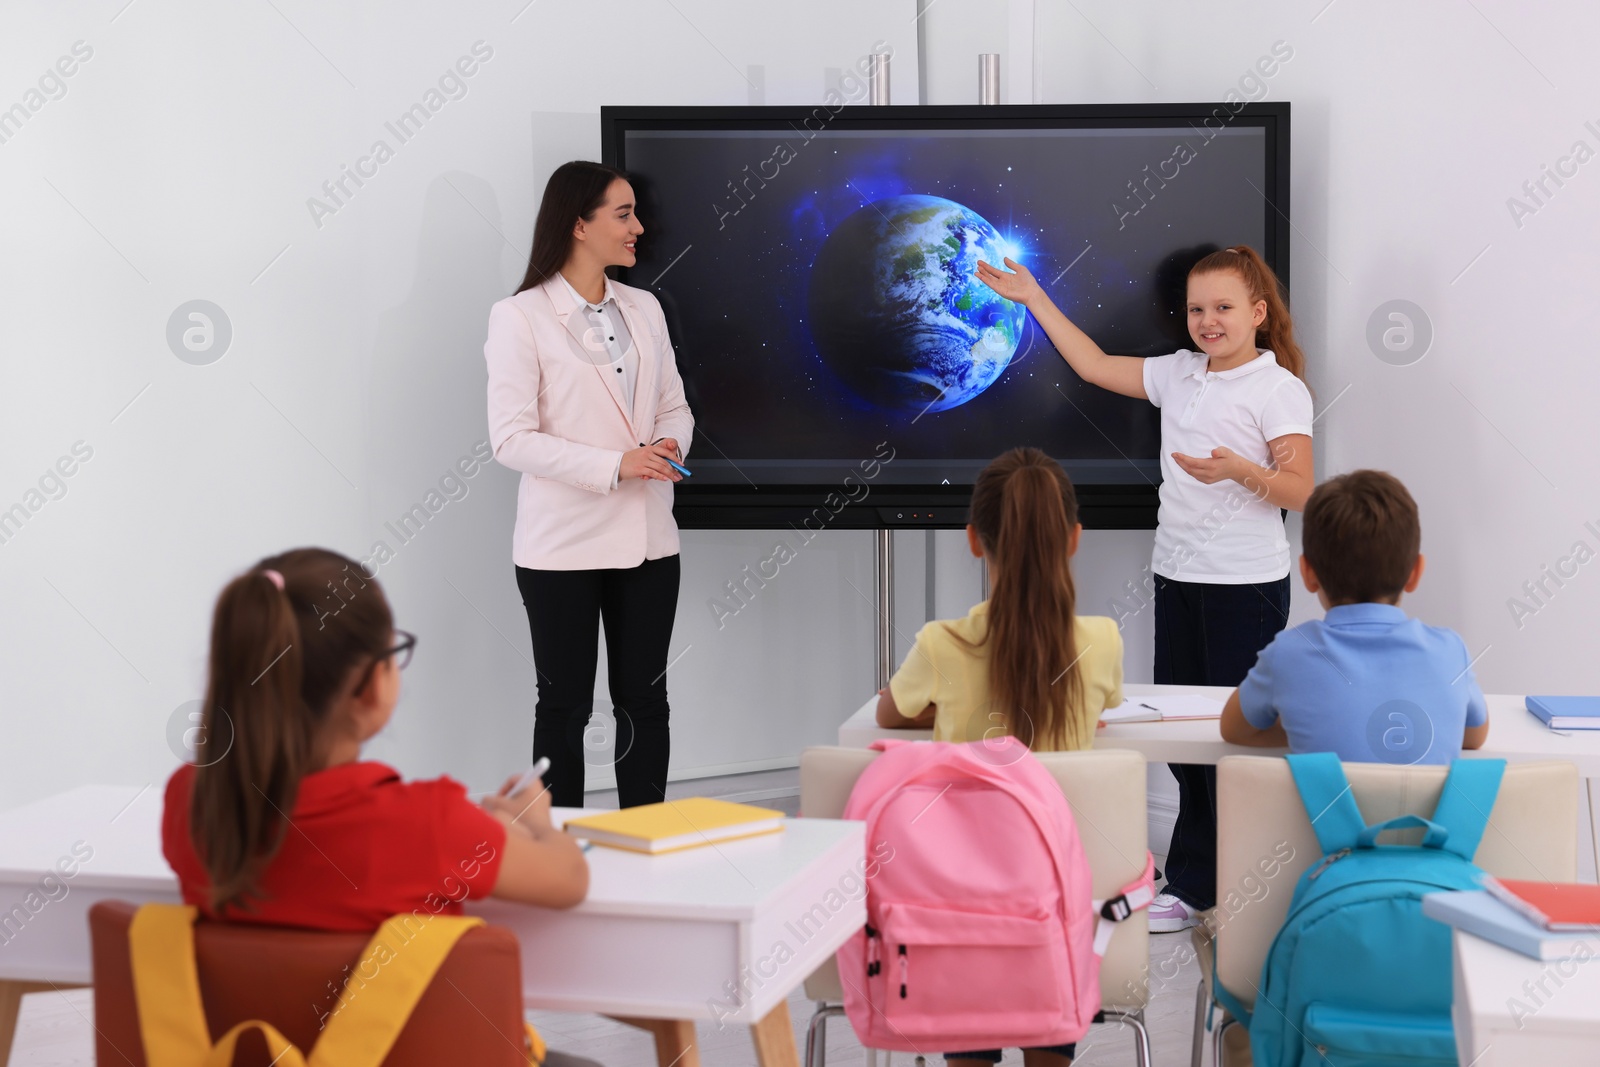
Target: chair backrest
(1265,840)
(471,1013)
(1106,790)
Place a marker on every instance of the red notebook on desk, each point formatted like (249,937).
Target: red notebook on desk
(1553,905)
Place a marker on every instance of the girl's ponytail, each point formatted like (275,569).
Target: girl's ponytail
(1276,331)
(279,660)
(1024,510)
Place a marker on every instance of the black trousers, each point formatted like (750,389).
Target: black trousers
(637,606)
(1207,634)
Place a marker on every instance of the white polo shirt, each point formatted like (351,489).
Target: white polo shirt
(1221,533)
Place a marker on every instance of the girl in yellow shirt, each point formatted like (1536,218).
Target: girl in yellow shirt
(1022,662)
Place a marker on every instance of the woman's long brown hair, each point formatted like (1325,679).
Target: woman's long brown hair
(279,661)
(1276,331)
(1024,509)
(575,191)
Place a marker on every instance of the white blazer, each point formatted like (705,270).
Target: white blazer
(556,414)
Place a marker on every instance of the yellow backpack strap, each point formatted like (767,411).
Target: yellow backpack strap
(402,959)
(536,1047)
(166,986)
(282,1052)
(364,1024)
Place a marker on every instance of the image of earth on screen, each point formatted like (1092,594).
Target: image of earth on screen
(821,297)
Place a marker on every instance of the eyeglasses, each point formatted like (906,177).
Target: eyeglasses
(408,642)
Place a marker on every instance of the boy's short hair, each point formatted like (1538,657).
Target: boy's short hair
(1362,536)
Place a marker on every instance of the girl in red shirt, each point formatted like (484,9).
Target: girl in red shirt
(278,820)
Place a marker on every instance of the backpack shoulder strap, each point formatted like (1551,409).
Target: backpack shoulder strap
(1469,794)
(1330,805)
(282,1051)
(172,1020)
(1129,899)
(166,985)
(1221,995)
(406,956)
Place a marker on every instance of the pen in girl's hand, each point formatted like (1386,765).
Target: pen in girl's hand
(533,774)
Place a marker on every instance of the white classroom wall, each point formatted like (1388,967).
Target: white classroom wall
(177,163)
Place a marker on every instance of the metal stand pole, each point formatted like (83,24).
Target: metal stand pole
(885,569)
(988,77)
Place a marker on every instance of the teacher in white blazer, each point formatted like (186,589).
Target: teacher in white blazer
(585,401)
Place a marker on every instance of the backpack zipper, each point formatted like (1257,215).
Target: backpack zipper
(872,952)
(904,971)
(1327,861)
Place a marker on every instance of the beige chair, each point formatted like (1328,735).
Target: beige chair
(1106,790)
(1262,826)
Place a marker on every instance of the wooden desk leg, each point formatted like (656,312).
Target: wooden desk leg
(774,1038)
(675,1040)
(11,994)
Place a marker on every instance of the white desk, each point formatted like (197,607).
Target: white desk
(668,936)
(1192,741)
(1514,734)
(722,933)
(1499,1023)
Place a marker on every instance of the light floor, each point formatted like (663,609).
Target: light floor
(54,1029)
(768,789)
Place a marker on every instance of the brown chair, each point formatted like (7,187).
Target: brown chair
(471,1013)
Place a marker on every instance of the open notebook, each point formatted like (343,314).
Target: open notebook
(1167,707)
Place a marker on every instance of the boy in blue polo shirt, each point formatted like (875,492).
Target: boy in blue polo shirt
(1366,682)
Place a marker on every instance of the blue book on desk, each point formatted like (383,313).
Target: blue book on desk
(1480,914)
(1567,713)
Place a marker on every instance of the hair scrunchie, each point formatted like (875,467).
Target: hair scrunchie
(274,577)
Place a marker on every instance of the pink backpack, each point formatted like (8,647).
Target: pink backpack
(980,928)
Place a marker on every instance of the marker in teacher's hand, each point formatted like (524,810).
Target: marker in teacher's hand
(679,467)
(533,774)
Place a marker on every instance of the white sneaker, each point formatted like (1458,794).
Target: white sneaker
(1169,915)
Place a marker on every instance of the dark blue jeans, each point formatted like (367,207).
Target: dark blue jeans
(1207,634)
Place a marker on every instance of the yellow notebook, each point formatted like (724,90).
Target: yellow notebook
(676,824)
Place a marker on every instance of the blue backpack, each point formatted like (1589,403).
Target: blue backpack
(1357,976)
